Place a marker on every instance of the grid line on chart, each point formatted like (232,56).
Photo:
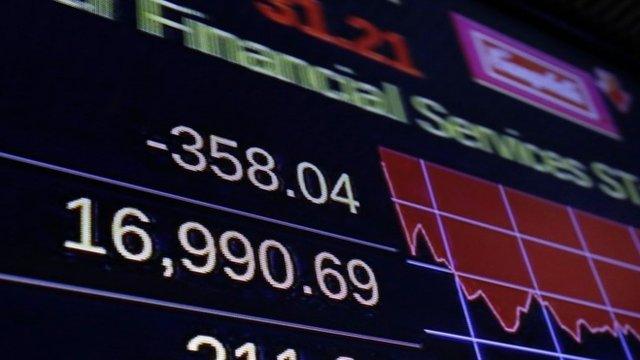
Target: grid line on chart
(463,300)
(634,236)
(524,236)
(525,256)
(596,275)
(466,222)
(463,274)
(504,345)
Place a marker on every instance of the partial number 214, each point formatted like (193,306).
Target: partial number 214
(248,351)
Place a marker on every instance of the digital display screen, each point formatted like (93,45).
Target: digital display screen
(313,180)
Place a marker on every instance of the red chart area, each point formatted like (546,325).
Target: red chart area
(510,248)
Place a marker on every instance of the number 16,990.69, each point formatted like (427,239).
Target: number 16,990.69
(202,253)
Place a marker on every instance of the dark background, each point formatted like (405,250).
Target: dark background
(85,93)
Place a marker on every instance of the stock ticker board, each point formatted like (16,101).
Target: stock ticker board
(313,180)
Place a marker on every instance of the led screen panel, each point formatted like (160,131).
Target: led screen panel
(313,180)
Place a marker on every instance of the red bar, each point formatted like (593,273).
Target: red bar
(542,219)
(607,238)
(469,197)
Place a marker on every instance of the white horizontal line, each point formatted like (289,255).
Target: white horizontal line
(429,266)
(192,201)
(157,145)
(548,243)
(504,345)
(198,309)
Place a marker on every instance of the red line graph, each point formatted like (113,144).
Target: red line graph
(509,248)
